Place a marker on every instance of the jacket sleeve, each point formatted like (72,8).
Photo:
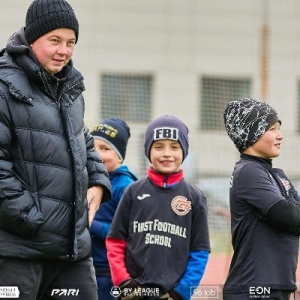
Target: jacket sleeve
(19,210)
(100,229)
(193,273)
(116,249)
(286,216)
(97,172)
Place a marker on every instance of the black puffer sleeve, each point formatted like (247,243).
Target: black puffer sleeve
(19,211)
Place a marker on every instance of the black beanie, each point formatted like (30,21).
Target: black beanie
(46,15)
(115,132)
(246,120)
(167,127)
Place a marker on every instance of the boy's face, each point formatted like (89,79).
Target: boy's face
(54,49)
(166,156)
(269,144)
(109,157)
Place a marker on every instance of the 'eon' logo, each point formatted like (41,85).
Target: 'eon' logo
(262,292)
(166,133)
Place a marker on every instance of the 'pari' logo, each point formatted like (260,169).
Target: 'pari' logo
(166,133)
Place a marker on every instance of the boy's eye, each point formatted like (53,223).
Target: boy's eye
(274,127)
(175,146)
(104,148)
(71,43)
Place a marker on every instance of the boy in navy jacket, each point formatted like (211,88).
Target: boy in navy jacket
(158,244)
(110,140)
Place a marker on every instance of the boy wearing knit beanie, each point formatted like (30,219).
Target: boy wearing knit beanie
(110,140)
(265,207)
(158,244)
(52,179)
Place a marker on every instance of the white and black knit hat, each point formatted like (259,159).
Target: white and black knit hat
(246,120)
(167,127)
(46,15)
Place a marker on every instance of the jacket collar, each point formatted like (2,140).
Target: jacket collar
(164,180)
(18,58)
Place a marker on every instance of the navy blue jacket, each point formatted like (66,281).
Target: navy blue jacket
(160,230)
(120,179)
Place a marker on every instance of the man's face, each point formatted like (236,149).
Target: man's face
(54,49)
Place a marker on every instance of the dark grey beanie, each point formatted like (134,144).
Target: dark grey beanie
(246,120)
(46,15)
(167,127)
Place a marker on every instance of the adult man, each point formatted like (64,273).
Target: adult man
(51,178)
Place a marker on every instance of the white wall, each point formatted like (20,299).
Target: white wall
(178,42)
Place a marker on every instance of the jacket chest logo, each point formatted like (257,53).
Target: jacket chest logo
(286,185)
(181,205)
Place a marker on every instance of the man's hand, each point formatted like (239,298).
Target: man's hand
(94,197)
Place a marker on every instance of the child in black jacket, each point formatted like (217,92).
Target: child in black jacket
(265,208)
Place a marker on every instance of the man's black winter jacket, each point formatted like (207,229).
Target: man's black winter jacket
(47,159)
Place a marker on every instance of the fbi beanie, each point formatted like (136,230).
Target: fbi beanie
(115,132)
(167,127)
(46,15)
(246,120)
